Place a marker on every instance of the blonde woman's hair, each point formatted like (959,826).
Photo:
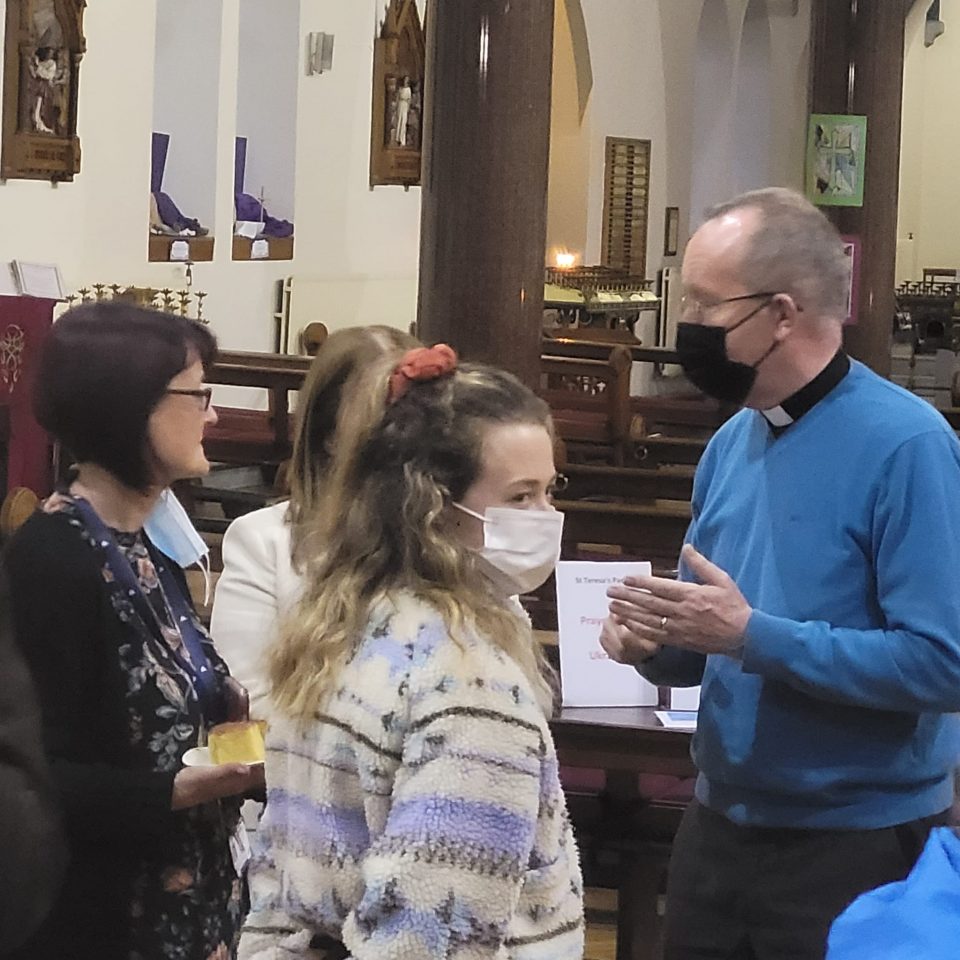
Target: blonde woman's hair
(379,527)
(329,383)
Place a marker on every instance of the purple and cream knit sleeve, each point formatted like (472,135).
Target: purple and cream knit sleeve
(447,870)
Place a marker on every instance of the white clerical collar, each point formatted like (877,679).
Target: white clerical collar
(789,411)
(777,417)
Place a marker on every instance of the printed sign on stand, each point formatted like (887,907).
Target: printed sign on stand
(588,676)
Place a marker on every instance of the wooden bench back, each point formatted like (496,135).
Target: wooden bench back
(590,399)
(255,436)
(698,417)
(650,531)
(626,484)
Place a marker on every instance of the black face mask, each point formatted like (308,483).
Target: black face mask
(703,356)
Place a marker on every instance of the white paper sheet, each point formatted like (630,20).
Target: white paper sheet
(248,228)
(259,249)
(678,719)
(589,677)
(38,280)
(685,698)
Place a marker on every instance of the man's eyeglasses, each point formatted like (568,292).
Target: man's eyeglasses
(204,393)
(694,310)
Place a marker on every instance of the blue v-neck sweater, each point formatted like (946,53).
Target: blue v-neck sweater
(843,534)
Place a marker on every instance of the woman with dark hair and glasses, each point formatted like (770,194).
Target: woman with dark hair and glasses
(127,678)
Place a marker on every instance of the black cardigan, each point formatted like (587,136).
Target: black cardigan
(115,814)
(31,847)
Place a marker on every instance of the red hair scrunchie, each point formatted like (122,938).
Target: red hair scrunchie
(420,364)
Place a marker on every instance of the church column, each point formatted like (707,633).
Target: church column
(858,68)
(484,193)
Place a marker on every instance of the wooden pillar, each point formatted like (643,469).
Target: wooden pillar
(484,195)
(858,68)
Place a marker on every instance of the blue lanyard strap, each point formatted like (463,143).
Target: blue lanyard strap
(196,664)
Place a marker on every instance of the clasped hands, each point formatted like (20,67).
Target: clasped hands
(649,612)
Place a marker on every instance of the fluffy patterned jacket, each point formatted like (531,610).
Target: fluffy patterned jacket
(419,815)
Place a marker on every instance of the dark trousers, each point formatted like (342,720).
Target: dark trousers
(753,893)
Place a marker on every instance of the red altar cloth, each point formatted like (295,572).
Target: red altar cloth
(24,324)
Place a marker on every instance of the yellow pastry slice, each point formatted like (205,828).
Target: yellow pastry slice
(236,742)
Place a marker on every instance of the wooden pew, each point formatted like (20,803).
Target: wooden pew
(593,421)
(600,350)
(252,358)
(693,416)
(590,401)
(640,422)
(652,528)
(255,436)
(237,489)
(589,481)
(656,451)
(648,531)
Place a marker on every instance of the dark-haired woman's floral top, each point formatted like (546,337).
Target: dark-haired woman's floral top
(180,899)
(191,908)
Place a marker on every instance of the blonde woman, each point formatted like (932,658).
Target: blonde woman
(414,809)
(258,584)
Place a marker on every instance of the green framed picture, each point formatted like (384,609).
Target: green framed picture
(836,153)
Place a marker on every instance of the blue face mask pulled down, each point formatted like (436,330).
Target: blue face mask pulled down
(171,532)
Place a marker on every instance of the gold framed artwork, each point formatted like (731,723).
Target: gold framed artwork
(43,46)
(396,125)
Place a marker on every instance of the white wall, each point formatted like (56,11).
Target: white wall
(714,110)
(646,66)
(186,99)
(628,100)
(567,196)
(911,134)
(96,227)
(642,54)
(930,144)
(269,67)
(753,115)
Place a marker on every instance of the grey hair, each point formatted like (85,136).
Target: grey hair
(794,249)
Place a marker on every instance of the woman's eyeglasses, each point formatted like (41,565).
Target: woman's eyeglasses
(204,393)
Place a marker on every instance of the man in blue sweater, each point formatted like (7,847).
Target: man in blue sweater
(818,604)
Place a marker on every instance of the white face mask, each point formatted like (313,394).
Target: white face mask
(171,532)
(520,547)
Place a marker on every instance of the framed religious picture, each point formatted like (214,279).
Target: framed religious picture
(43,46)
(836,155)
(396,126)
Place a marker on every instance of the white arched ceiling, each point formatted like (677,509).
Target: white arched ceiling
(711,179)
(752,145)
